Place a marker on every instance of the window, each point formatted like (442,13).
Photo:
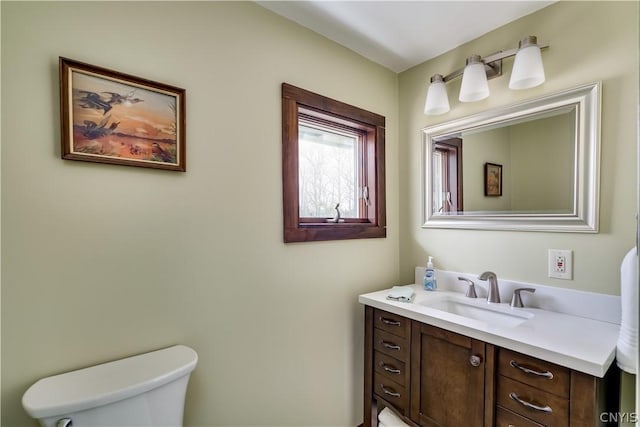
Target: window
(447,176)
(328,170)
(333,169)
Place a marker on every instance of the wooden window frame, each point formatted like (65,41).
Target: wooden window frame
(298,102)
(452,149)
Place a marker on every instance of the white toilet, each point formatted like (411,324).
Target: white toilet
(144,390)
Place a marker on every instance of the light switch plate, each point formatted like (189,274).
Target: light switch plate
(561,264)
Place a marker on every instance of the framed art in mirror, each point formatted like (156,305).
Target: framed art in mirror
(492,179)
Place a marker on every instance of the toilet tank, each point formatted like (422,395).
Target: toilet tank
(144,390)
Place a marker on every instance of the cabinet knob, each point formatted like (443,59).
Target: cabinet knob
(475,361)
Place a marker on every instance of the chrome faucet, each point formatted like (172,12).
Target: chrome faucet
(471,290)
(516,300)
(494,291)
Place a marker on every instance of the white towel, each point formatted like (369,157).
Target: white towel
(627,349)
(388,418)
(401,293)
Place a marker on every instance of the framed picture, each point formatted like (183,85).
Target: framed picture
(111,117)
(492,179)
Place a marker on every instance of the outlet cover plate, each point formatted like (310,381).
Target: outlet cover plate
(561,264)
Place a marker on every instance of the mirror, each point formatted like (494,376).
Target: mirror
(532,166)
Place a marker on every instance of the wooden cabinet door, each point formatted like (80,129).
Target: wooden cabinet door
(448,378)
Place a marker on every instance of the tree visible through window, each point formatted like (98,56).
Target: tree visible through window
(333,169)
(328,166)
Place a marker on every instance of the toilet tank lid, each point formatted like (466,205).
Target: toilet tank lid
(108,382)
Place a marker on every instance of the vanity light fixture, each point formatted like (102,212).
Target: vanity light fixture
(474,85)
(437,99)
(528,72)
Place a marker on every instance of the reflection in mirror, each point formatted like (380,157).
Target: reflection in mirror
(447,176)
(537,156)
(545,157)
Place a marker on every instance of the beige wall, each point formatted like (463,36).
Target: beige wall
(102,261)
(542,161)
(477,149)
(536,159)
(590,41)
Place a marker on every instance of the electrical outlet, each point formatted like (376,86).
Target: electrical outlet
(561,264)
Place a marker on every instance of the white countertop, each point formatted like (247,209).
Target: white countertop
(584,344)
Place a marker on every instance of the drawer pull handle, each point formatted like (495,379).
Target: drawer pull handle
(548,375)
(389,392)
(526,404)
(390,369)
(389,321)
(390,346)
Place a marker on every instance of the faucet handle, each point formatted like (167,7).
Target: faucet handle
(516,300)
(471,290)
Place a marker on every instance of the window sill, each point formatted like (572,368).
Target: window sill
(309,232)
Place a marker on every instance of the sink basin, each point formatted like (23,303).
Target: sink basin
(496,315)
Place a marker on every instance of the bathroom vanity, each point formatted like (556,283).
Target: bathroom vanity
(435,365)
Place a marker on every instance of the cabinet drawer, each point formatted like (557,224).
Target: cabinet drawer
(391,368)
(392,323)
(506,418)
(535,372)
(391,345)
(391,392)
(545,408)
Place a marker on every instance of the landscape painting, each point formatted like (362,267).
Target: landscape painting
(110,117)
(492,179)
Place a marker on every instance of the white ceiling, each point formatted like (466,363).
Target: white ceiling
(401,34)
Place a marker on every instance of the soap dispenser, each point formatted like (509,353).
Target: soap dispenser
(430,283)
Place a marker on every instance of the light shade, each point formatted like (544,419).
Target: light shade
(528,70)
(474,81)
(437,100)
